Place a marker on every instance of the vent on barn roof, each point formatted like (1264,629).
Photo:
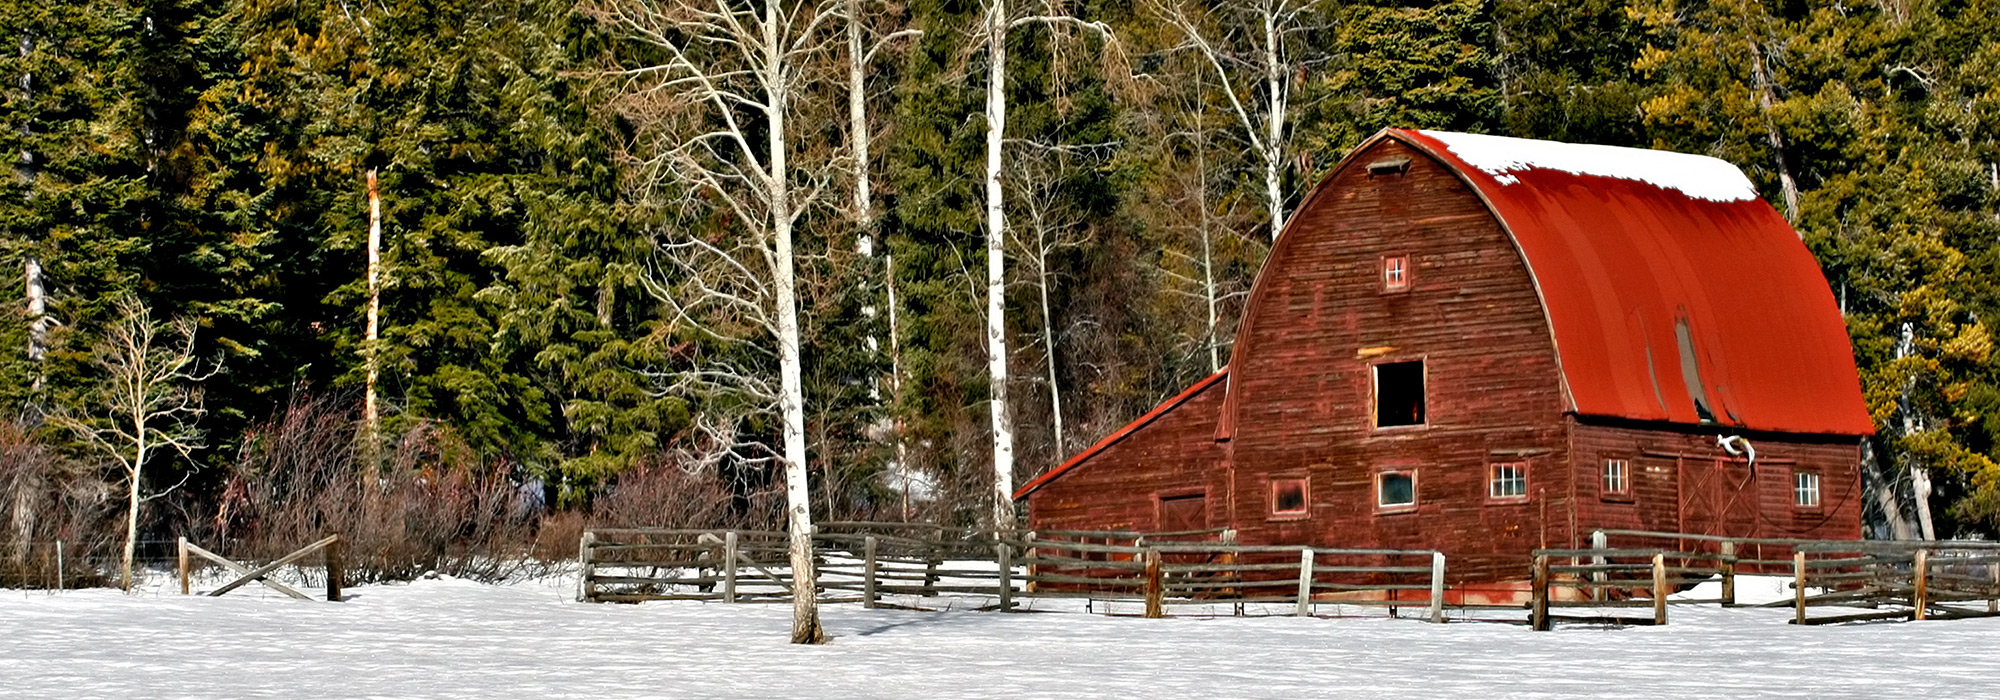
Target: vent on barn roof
(1389,166)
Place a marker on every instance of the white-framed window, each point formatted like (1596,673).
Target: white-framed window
(1395,273)
(1507,481)
(1617,477)
(1805,489)
(1396,489)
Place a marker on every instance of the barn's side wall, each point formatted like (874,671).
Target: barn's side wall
(1318,323)
(1684,482)
(1119,487)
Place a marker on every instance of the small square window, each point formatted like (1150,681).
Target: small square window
(1617,477)
(1399,394)
(1396,490)
(1805,489)
(1395,273)
(1507,481)
(1288,497)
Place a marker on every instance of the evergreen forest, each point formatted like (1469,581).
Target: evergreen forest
(632,259)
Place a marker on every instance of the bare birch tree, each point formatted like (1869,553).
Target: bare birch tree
(1252,47)
(39,321)
(862,48)
(998,22)
(147,405)
(1051,225)
(715,112)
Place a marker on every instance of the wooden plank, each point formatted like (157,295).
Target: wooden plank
(1305,583)
(1437,587)
(336,569)
(182,558)
(240,570)
(730,555)
(258,574)
(1799,587)
(868,596)
(1921,571)
(1154,591)
(1538,587)
(584,593)
(1659,589)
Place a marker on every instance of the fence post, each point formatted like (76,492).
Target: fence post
(584,592)
(1006,560)
(1799,586)
(933,556)
(1305,582)
(1728,573)
(868,572)
(1231,572)
(1538,595)
(1437,586)
(1993,601)
(1922,571)
(1660,588)
(182,561)
(729,553)
(60,578)
(1155,588)
(1599,541)
(1034,553)
(335,568)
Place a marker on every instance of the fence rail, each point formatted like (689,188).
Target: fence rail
(1915,580)
(867,562)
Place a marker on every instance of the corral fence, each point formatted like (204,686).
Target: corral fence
(877,564)
(1913,579)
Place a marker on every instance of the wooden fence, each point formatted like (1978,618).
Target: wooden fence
(869,562)
(1915,579)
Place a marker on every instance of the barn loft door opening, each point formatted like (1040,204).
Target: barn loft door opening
(1399,394)
(1183,513)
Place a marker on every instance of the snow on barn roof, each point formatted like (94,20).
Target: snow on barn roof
(1674,293)
(1699,177)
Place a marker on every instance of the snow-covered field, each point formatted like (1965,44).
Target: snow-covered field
(447,638)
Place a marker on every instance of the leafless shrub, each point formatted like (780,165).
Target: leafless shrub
(45,499)
(668,495)
(433,507)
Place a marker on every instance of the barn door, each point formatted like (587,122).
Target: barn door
(1718,497)
(1183,513)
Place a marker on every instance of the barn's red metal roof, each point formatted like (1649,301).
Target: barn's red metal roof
(1120,434)
(1637,273)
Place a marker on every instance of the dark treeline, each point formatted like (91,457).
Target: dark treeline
(211,161)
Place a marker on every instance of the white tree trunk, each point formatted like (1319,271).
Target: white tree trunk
(996,256)
(1787,186)
(1049,345)
(1274,120)
(38,304)
(370,411)
(798,493)
(132,482)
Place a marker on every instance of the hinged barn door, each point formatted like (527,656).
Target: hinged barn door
(1718,497)
(1184,513)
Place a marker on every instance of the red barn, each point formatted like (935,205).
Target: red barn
(1485,345)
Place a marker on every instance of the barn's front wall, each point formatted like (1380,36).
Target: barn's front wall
(1321,320)
(1682,481)
(1122,485)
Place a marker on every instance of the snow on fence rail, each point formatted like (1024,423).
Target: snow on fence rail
(868,561)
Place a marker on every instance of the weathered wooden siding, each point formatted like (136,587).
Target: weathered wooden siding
(1119,487)
(1672,461)
(1319,320)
